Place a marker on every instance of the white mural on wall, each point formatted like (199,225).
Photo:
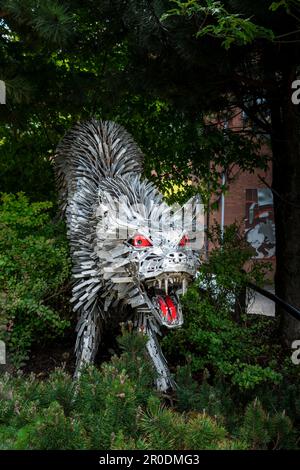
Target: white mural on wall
(259,222)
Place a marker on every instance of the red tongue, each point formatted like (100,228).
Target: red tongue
(168,307)
(172,307)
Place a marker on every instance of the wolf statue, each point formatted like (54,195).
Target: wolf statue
(132,258)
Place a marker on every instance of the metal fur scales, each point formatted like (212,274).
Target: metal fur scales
(132,253)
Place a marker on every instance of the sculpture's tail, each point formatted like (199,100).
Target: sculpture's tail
(91,151)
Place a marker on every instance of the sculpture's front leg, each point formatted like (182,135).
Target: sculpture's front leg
(164,380)
(88,339)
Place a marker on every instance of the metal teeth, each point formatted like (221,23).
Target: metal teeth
(184,285)
(178,281)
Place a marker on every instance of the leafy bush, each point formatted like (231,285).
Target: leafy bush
(34,269)
(231,356)
(25,159)
(212,340)
(262,430)
(217,336)
(117,407)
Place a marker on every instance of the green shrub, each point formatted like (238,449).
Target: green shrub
(111,408)
(204,397)
(233,357)
(51,429)
(217,337)
(228,358)
(165,429)
(34,270)
(263,431)
(25,163)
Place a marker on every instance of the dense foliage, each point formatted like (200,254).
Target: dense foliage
(228,357)
(34,272)
(174,73)
(116,408)
(236,387)
(217,334)
(80,61)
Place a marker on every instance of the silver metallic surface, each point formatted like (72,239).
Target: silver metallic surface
(107,205)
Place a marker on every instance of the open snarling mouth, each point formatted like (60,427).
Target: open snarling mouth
(164,293)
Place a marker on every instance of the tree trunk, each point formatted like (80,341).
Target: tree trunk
(286,191)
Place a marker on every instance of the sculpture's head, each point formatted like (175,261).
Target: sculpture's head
(150,250)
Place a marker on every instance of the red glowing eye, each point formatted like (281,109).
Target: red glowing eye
(184,241)
(139,241)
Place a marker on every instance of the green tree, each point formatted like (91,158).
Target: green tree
(262,81)
(34,273)
(215,56)
(161,67)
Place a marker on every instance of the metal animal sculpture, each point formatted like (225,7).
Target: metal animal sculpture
(131,258)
